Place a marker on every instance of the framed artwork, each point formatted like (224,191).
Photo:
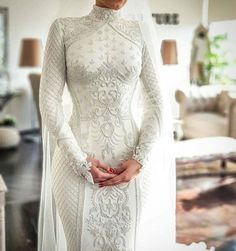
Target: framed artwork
(166,18)
(4,75)
(3,38)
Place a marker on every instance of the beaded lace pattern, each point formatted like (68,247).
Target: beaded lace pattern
(101,57)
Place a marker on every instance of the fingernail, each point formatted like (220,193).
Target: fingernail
(111,170)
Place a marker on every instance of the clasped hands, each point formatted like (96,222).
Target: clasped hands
(107,176)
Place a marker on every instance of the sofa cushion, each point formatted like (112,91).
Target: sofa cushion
(205,124)
(201,103)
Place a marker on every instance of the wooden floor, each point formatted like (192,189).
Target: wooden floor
(21,170)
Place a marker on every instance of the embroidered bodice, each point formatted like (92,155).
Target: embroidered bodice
(101,57)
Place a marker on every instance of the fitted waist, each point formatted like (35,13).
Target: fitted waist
(85,126)
(78,120)
(104,136)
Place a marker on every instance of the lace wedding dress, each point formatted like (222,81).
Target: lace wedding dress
(101,57)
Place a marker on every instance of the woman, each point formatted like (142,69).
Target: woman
(101,153)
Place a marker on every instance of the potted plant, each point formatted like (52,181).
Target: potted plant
(8,120)
(9,135)
(216,61)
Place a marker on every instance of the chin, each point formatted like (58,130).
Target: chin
(117,7)
(117,4)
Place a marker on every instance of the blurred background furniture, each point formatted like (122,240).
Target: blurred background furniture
(31,56)
(35,82)
(205,156)
(178,131)
(3,190)
(9,137)
(207,111)
(232,112)
(8,96)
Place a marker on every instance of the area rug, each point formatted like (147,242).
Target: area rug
(206,210)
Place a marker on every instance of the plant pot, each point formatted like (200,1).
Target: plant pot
(9,137)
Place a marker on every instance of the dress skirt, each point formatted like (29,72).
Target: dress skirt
(94,218)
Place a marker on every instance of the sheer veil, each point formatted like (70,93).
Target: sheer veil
(157,226)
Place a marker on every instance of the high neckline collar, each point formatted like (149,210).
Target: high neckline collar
(104,14)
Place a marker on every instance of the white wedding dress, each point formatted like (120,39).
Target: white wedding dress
(101,57)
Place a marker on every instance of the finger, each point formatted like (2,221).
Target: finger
(115,183)
(120,169)
(103,179)
(107,175)
(104,166)
(101,176)
(111,181)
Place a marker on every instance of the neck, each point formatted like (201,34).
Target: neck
(104,13)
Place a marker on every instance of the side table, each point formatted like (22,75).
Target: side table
(178,131)
(193,156)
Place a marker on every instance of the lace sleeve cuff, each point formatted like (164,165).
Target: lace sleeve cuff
(140,154)
(83,168)
(76,159)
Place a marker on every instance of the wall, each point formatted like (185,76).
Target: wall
(189,17)
(222,10)
(27,18)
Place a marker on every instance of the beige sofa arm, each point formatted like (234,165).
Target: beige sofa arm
(181,98)
(232,118)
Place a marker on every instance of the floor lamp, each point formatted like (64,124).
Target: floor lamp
(31,56)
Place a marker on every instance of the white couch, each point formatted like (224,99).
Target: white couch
(207,111)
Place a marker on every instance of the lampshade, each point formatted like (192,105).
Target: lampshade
(169,52)
(31,49)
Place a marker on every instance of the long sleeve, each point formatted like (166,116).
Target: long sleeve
(151,123)
(50,101)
